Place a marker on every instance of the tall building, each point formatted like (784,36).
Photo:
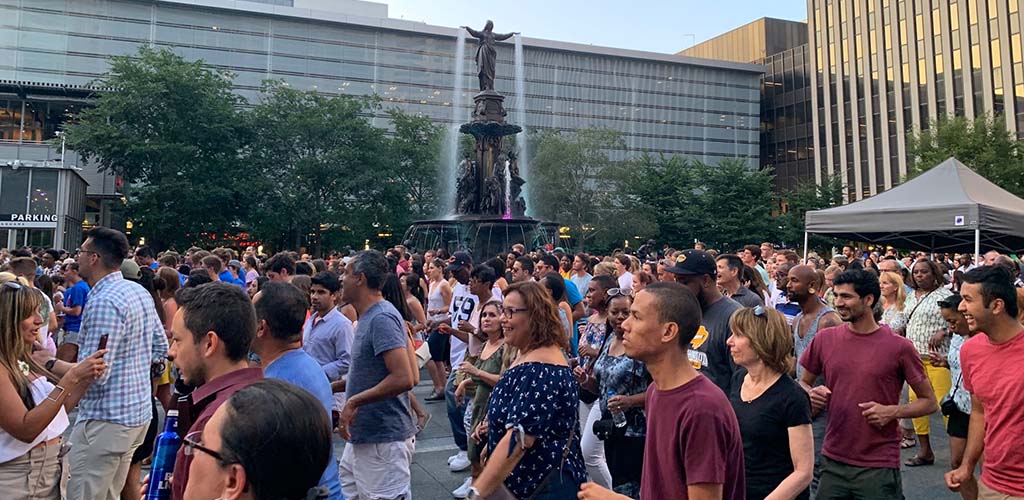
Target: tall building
(52,50)
(786,131)
(883,68)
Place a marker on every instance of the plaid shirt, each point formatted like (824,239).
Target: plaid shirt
(124,311)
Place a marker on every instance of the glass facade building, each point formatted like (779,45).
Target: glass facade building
(883,68)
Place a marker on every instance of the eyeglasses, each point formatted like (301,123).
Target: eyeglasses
(615,292)
(191,443)
(509,311)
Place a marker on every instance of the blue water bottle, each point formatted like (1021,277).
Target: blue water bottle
(167,444)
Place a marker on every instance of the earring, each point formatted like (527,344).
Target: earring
(812,291)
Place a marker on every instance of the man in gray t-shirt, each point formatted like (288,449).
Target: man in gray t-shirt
(708,353)
(376,420)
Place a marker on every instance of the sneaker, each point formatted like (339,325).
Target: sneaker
(453,457)
(463,491)
(459,463)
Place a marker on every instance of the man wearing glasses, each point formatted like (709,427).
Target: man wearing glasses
(115,411)
(697,270)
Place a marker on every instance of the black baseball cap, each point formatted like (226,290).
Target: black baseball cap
(458,260)
(694,262)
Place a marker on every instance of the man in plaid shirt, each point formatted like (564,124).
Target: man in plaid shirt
(115,411)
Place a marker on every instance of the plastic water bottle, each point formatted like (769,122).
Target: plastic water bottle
(618,417)
(167,444)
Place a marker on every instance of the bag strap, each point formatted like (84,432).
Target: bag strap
(918,304)
(551,473)
(590,366)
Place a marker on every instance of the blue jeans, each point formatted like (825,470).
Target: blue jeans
(456,413)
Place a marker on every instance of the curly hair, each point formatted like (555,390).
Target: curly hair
(545,327)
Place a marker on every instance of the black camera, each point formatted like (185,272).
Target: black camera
(604,429)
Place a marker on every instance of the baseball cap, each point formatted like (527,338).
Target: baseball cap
(235,264)
(458,260)
(694,262)
(130,270)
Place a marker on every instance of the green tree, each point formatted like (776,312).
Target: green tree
(415,150)
(576,183)
(171,129)
(983,144)
(317,164)
(797,202)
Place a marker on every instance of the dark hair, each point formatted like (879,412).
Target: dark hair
(393,293)
(251,261)
(153,283)
(283,306)
(527,264)
(951,302)
(304,268)
(864,283)
(214,263)
(756,281)
(556,285)
(319,265)
(586,261)
(222,308)
(733,262)
(497,264)
(145,252)
(550,261)
(933,269)
(372,265)
(412,285)
(110,244)
(281,261)
(675,303)
(197,277)
(45,284)
(545,326)
(624,260)
(284,451)
(328,280)
(754,250)
(53,253)
(484,274)
(996,283)
(606,282)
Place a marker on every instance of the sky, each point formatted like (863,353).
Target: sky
(665,26)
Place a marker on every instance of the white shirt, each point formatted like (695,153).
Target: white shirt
(11,448)
(626,280)
(462,308)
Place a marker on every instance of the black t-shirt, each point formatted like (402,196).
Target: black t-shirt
(764,426)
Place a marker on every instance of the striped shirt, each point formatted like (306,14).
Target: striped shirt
(124,311)
(924,319)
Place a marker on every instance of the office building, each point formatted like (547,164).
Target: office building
(52,50)
(786,131)
(883,68)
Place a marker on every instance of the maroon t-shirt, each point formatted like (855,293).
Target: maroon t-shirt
(859,368)
(205,400)
(692,438)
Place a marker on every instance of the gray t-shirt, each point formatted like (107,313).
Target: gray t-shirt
(708,352)
(746,298)
(380,329)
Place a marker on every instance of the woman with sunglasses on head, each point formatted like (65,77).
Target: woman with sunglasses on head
(622,383)
(774,413)
(269,441)
(33,401)
(533,417)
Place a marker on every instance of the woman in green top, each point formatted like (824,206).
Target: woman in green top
(483,375)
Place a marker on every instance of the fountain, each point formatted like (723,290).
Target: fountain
(489,214)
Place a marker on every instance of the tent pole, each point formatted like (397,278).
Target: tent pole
(977,246)
(805,247)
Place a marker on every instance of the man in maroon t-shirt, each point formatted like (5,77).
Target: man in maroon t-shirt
(693,447)
(210,338)
(864,365)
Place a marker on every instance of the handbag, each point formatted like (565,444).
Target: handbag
(948,406)
(586,395)
(503,493)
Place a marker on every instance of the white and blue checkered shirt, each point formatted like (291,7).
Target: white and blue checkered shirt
(124,311)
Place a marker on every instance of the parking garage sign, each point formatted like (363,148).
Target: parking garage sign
(28,221)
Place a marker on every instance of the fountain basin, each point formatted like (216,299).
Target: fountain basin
(484,236)
(490,129)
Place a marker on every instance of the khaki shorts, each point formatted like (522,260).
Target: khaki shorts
(377,470)
(32,476)
(986,493)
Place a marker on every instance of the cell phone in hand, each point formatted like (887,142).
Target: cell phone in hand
(103,341)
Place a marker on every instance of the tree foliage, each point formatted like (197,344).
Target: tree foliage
(983,144)
(797,202)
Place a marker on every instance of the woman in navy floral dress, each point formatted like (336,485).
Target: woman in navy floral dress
(533,419)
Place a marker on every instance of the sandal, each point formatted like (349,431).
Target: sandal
(917,461)
(421,422)
(435,396)
(908,443)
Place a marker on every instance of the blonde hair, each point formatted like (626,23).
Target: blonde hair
(605,269)
(894,279)
(769,336)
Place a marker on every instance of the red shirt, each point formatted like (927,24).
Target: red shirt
(992,373)
(859,368)
(204,403)
(692,438)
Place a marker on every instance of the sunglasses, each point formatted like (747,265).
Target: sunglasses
(13,285)
(759,311)
(616,292)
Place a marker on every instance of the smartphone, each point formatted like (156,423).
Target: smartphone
(103,341)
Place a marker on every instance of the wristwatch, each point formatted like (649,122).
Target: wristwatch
(474,494)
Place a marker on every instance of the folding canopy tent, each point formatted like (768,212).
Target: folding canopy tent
(949,208)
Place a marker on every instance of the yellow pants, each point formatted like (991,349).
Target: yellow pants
(941,382)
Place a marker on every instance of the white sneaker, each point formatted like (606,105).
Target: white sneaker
(463,491)
(453,457)
(459,463)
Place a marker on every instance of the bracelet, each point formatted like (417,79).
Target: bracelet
(58,396)
(49,364)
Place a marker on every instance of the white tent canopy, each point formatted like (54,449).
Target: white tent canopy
(949,208)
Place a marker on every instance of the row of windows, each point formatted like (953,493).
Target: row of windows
(28,190)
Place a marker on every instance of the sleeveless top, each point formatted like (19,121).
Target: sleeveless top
(435,301)
(801,344)
(11,448)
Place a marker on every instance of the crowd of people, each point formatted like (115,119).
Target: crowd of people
(758,374)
